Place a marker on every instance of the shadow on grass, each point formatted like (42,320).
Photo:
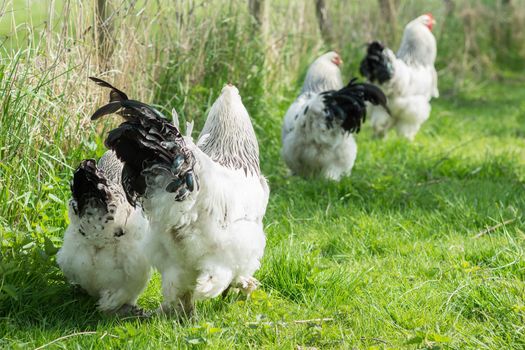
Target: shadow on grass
(59,307)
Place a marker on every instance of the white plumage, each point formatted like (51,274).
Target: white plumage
(310,148)
(205,203)
(317,130)
(409,80)
(103,245)
(218,229)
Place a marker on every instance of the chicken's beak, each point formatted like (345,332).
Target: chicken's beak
(337,61)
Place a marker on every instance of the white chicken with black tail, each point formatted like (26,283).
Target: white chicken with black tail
(103,245)
(205,203)
(409,80)
(317,133)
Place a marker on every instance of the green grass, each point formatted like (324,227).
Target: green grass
(386,259)
(388,256)
(20,19)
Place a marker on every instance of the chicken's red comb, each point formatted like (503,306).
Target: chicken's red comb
(429,14)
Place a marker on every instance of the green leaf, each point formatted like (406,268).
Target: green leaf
(10,290)
(195,340)
(49,247)
(438,338)
(55,198)
(415,340)
(258,295)
(213,330)
(132,331)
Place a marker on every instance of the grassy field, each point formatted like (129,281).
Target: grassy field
(389,257)
(421,248)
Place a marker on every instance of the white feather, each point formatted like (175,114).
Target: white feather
(112,269)
(189,129)
(413,84)
(175,118)
(202,139)
(214,238)
(310,147)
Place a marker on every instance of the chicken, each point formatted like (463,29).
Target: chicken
(409,80)
(317,130)
(103,244)
(205,202)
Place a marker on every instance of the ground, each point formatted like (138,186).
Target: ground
(420,248)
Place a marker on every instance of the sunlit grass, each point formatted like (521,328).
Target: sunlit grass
(388,258)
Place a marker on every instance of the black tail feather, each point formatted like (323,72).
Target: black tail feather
(348,106)
(115,94)
(371,92)
(89,187)
(375,66)
(146,142)
(120,104)
(110,108)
